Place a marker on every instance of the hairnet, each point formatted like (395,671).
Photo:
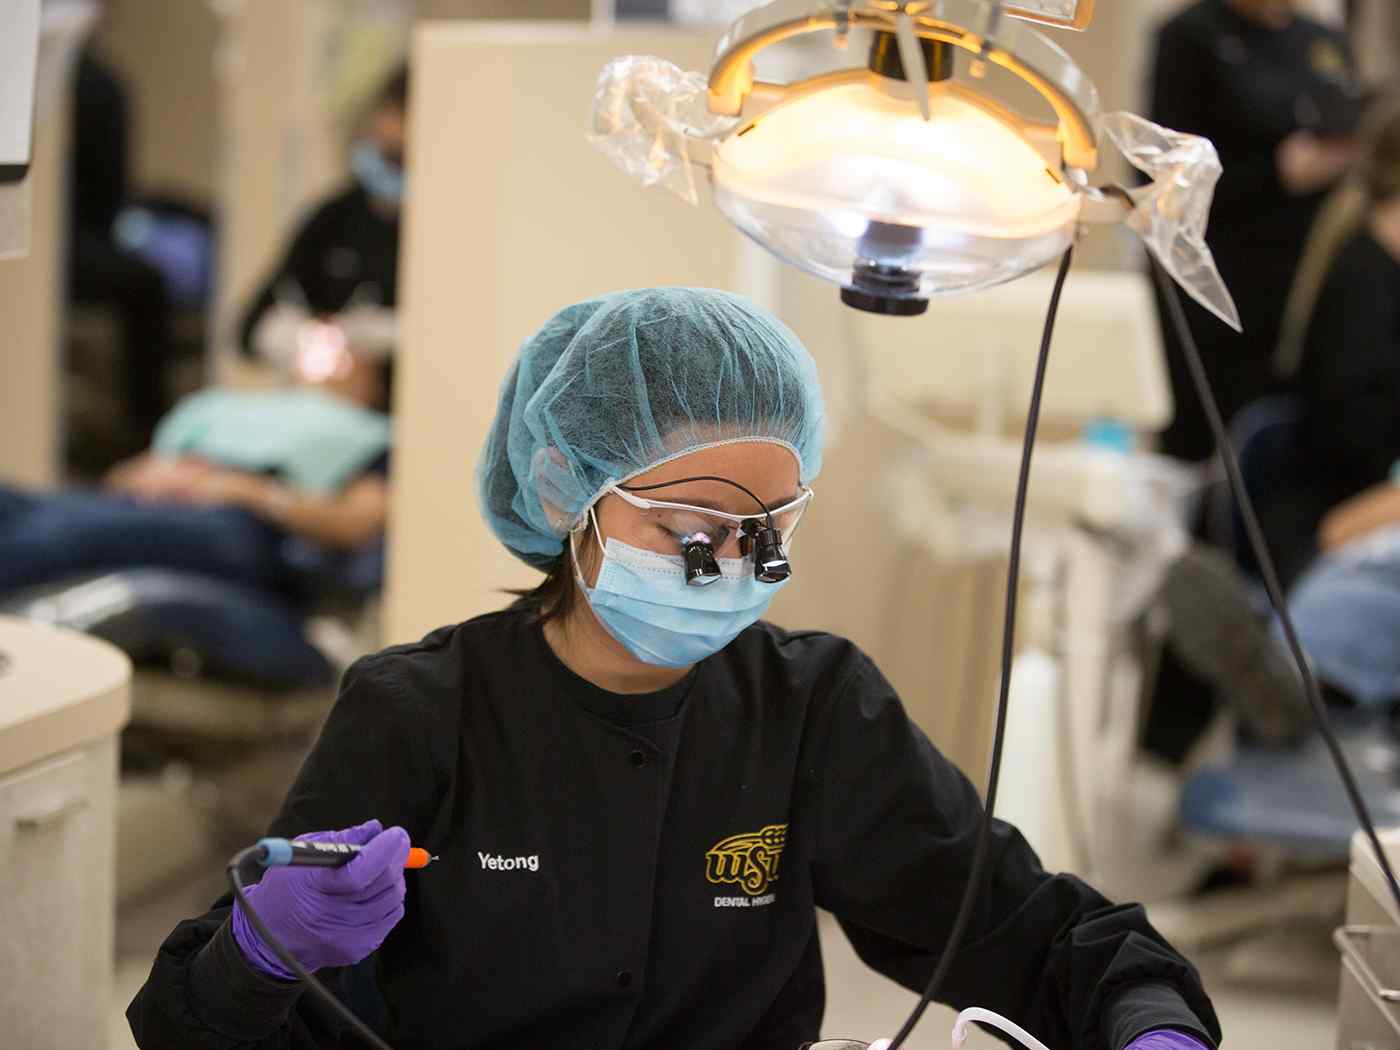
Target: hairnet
(611,387)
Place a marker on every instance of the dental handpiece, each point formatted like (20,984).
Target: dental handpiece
(280,853)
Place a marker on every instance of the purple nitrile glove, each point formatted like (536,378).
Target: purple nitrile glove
(328,916)
(1165,1039)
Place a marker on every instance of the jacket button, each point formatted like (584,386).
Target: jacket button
(624,978)
(637,758)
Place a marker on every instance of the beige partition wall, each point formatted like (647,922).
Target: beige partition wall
(1377,39)
(512,215)
(31,290)
(165,54)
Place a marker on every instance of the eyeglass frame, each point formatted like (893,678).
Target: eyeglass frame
(643,503)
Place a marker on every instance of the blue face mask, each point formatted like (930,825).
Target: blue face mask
(380,179)
(644,602)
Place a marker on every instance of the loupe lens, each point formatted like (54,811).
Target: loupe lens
(770,564)
(701,567)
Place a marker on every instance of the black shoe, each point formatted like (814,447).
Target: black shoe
(1217,634)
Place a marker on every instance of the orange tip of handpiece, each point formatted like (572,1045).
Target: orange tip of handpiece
(417,858)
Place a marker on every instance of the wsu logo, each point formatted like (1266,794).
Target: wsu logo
(750,859)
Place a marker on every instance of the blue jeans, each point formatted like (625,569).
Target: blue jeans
(45,537)
(1346,608)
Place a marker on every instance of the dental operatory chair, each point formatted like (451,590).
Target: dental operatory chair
(231,684)
(1286,808)
(1291,799)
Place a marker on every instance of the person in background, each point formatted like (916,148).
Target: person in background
(1346,605)
(1332,530)
(1340,349)
(231,476)
(1277,94)
(343,263)
(1336,529)
(100,270)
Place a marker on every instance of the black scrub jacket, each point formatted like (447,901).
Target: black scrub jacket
(346,247)
(644,871)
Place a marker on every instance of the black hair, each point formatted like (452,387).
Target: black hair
(556,596)
(394,90)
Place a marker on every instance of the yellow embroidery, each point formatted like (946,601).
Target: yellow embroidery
(1328,60)
(750,859)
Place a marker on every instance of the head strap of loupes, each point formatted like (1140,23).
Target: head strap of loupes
(860,141)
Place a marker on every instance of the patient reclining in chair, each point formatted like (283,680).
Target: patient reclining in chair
(230,478)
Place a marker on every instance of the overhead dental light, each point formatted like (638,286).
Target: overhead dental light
(902,176)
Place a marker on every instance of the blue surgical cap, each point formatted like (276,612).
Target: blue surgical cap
(614,386)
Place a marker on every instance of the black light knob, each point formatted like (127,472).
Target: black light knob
(886,60)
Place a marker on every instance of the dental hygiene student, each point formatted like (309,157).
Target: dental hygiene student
(639,791)
(342,266)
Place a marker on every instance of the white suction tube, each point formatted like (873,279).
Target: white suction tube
(976,1013)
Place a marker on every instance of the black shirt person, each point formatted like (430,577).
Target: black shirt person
(343,263)
(1276,93)
(640,792)
(1340,349)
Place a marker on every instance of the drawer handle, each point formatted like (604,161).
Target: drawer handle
(1345,938)
(50,817)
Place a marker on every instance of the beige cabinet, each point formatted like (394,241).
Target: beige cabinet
(63,699)
(56,867)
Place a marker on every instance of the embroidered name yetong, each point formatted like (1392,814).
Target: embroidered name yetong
(499,863)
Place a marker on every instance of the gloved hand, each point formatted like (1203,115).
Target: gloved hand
(1166,1040)
(328,916)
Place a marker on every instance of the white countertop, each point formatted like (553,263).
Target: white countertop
(58,690)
